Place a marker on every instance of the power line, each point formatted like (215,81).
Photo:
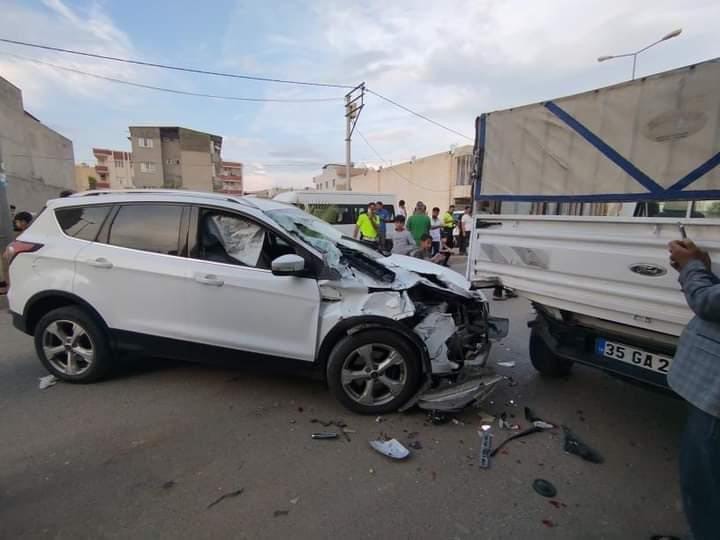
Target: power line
(172,90)
(391,168)
(404,108)
(174,68)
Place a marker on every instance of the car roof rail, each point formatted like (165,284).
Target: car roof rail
(178,192)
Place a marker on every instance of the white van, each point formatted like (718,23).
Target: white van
(339,208)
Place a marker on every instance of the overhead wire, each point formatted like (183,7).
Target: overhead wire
(419,115)
(173,90)
(172,67)
(392,168)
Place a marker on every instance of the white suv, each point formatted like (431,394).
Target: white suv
(202,276)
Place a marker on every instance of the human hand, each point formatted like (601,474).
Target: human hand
(684,251)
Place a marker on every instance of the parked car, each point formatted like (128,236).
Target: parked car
(197,276)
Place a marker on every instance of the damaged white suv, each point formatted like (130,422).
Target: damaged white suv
(202,276)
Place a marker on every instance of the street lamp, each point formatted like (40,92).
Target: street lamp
(674,33)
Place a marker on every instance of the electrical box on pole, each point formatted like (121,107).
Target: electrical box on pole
(354,103)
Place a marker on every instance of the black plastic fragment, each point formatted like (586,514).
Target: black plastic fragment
(573,445)
(544,488)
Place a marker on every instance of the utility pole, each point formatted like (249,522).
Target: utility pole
(354,102)
(6,235)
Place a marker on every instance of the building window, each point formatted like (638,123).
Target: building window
(145,142)
(147,167)
(463,170)
(119,164)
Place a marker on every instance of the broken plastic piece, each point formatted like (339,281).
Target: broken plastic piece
(392,448)
(504,424)
(544,488)
(47,381)
(325,435)
(506,364)
(537,422)
(454,397)
(573,445)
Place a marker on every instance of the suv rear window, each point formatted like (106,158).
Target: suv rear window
(148,227)
(82,222)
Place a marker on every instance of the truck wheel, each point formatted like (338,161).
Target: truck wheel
(373,372)
(544,360)
(72,345)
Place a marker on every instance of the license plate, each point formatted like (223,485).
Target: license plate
(631,355)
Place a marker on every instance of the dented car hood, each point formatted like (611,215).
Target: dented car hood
(420,266)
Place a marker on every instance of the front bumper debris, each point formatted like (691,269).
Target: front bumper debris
(452,397)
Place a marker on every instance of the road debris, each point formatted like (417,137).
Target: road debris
(506,364)
(485,448)
(324,435)
(438,418)
(47,381)
(391,448)
(379,420)
(544,488)
(486,417)
(229,495)
(486,427)
(327,423)
(169,484)
(504,424)
(277,513)
(537,422)
(548,523)
(295,500)
(511,382)
(573,445)
(525,433)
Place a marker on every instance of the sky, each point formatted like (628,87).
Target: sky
(449,60)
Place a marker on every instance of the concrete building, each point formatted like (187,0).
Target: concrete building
(333,177)
(85,177)
(175,157)
(437,180)
(113,169)
(39,162)
(231,178)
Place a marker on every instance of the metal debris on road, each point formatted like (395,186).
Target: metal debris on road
(485,449)
(392,448)
(506,364)
(327,423)
(47,381)
(226,496)
(544,488)
(573,445)
(537,422)
(504,424)
(324,435)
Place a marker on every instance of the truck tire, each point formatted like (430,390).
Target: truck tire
(373,372)
(546,361)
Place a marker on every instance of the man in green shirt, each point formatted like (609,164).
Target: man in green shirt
(368,225)
(419,223)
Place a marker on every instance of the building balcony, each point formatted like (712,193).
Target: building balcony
(102,152)
(101,168)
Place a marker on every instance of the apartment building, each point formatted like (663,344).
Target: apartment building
(333,177)
(113,169)
(438,180)
(176,157)
(231,177)
(39,162)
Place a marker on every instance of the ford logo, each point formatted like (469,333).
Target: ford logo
(647,269)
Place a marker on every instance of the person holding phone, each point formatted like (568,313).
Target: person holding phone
(695,376)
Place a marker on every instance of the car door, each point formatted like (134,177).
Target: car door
(235,300)
(134,273)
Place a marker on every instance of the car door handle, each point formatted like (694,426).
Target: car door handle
(100,262)
(209,279)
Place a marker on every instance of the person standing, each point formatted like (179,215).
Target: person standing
(435,229)
(403,242)
(384,217)
(448,226)
(419,223)
(367,226)
(466,226)
(695,376)
(401,209)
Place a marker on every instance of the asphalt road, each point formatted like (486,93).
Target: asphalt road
(145,455)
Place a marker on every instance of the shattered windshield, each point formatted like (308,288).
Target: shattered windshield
(322,236)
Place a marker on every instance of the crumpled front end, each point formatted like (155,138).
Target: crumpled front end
(451,321)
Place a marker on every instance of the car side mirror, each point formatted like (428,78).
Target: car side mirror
(288,265)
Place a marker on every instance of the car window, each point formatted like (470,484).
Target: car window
(148,227)
(82,222)
(233,239)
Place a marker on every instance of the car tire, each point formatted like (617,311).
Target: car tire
(72,345)
(393,379)
(546,361)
